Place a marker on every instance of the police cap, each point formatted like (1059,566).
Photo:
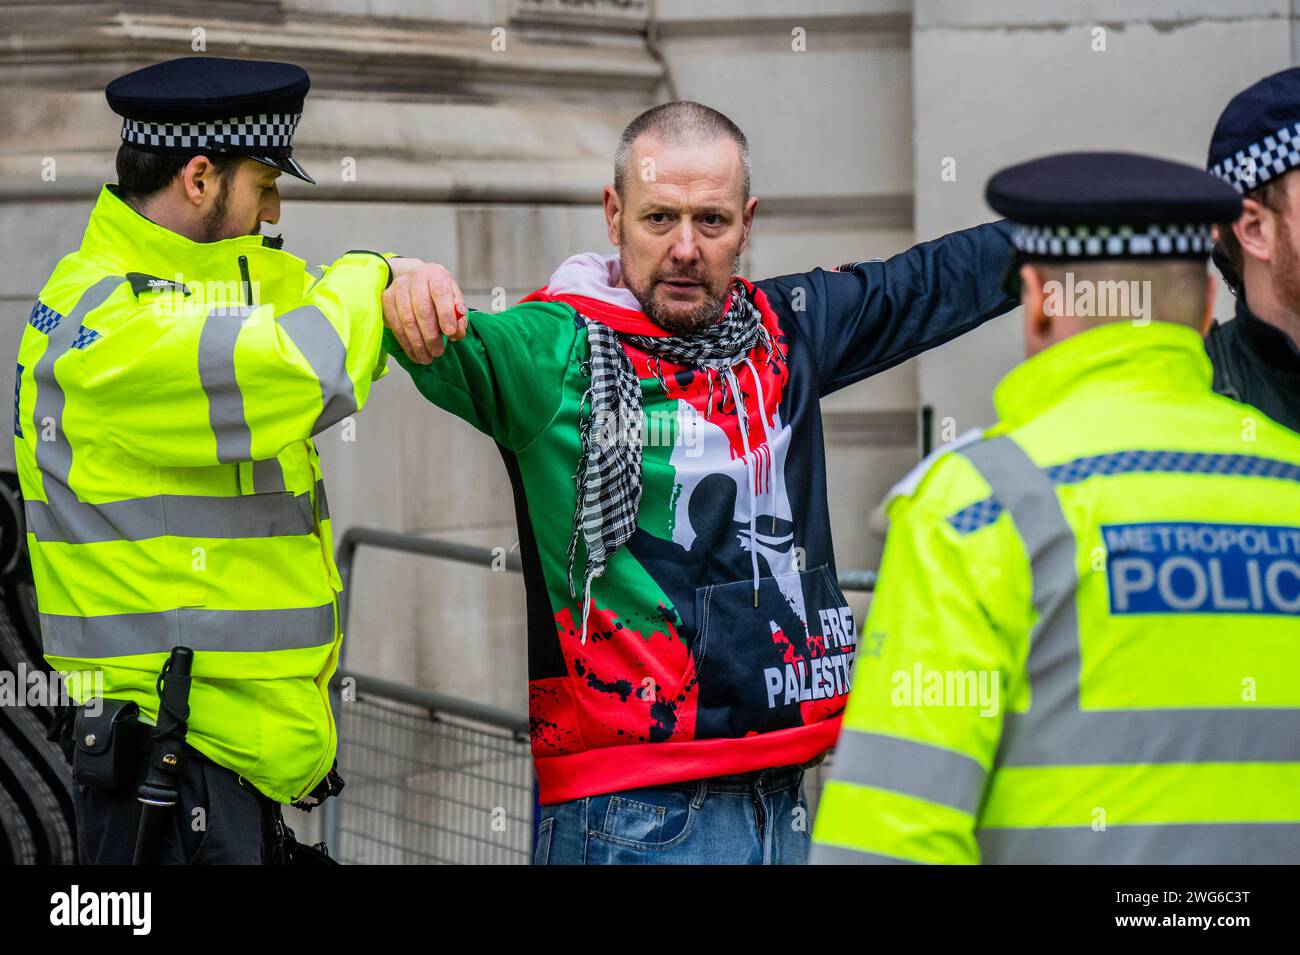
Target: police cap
(1257,137)
(1106,205)
(214,105)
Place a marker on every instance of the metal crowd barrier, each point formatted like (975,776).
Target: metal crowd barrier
(432,778)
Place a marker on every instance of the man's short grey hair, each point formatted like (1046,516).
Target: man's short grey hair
(678,124)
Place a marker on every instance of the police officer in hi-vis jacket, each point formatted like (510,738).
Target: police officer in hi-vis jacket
(1085,643)
(173,372)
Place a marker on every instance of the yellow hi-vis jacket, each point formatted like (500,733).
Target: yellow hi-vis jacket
(173,494)
(1085,646)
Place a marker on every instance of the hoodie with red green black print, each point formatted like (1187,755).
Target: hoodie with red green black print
(718,641)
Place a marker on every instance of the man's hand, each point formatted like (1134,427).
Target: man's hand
(423,304)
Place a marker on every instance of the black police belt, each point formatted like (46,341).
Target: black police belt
(111,743)
(331,785)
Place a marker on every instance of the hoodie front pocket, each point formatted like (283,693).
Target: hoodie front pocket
(782,664)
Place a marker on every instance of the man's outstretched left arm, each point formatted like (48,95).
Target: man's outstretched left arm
(864,318)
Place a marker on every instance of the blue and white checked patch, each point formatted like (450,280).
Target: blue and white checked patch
(1106,241)
(1180,462)
(1259,162)
(43,318)
(972,518)
(46,319)
(985,512)
(18,384)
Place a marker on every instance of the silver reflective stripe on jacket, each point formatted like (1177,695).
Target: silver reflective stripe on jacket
(921,770)
(311,332)
(244,631)
(217,376)
(915,769)
(318,340)
(1168,844)
(174,515)
(322,503)
(268,475)
(1055,731)
(63,518)
(54,456)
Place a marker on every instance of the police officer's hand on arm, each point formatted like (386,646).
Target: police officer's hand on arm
(423,304)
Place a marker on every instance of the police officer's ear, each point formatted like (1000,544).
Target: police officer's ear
(1030,286)
(1032,296)
(200,180)
(1256,231)
(1038,320)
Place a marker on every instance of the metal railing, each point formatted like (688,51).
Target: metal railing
(432,778)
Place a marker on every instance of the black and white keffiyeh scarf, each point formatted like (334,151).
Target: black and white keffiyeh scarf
(609,471)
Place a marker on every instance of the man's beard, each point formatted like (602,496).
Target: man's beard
(697,319)
(1286,272)
(215,228)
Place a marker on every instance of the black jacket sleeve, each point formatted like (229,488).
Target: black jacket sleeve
(864,318)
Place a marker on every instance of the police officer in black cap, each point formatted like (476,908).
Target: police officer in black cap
(1076,553)
(1256,149)
(225,107)
(174,371)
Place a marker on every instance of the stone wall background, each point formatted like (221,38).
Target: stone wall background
(492,161)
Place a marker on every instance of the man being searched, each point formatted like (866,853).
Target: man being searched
(170,379)
(1085,642)
(689,649)
(1256,149)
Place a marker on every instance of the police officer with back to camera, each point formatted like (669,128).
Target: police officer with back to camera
(170,379)
(1256,150)
(1085,642)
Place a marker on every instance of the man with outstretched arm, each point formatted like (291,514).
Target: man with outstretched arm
(689,649)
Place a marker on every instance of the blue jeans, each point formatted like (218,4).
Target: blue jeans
(752,819)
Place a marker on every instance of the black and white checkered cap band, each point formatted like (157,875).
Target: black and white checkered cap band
(1113,242)
(263,131)
(1259,162)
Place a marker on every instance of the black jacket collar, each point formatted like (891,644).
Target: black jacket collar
(1270,345)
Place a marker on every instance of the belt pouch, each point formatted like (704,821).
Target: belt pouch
(107,744)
